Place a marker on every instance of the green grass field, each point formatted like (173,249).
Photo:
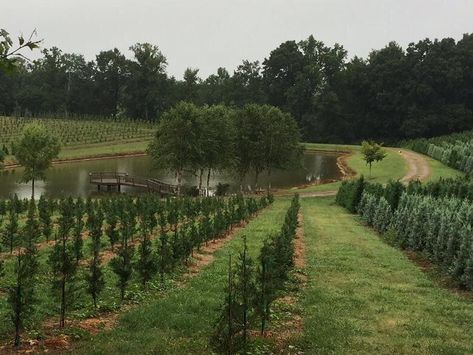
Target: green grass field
(366,297)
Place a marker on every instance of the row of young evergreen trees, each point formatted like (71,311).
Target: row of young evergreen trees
(164,234)
(435,219)
(454,150)
(251,289)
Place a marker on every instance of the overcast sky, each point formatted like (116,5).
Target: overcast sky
(206,34)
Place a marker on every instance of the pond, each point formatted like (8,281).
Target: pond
(72,179)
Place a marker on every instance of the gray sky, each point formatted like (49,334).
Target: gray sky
(206,34)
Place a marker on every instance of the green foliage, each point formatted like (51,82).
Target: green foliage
(434,219)
(35,150)
(372,152)
(328,94)
(147,265)
(10,54)
(45,210)
(349,194)
(94,277)
(455,150)
(122,264)
(21,294)
(231,332)
(251,292)
(175,146)
(62,260)
(73,283)
(255,139)
(9,235)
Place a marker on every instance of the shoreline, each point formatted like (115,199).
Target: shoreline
(86,158)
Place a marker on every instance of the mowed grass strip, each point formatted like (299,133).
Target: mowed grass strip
(182,321)
(366,297)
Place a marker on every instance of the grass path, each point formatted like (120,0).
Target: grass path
(366,297)
(182,321)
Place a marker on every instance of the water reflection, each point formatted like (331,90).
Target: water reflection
(73,178)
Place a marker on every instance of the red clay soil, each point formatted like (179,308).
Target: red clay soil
(342,163)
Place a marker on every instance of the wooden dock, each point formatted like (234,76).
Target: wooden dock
(111,180)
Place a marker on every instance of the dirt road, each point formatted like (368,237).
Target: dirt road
(418,166)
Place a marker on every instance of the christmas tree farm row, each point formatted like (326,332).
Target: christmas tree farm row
(434,219)
(75,256)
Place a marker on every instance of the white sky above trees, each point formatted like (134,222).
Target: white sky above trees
(207,34)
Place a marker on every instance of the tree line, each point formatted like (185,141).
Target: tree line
(394,93)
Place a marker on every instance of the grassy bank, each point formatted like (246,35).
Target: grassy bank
(393,167)
(181,321)
(366,297)
(96,151)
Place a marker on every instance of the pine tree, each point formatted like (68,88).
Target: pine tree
(245,289)
(147,264)
(62,260)
(21,294)
(225,338)
(45,212)
(11,230)
(94,278)
(122,263)
(165,258)
(112,222)
(77,229)
(266,286)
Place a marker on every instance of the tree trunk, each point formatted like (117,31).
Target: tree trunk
(208,181)
(18,306)
(63,303)
(269,180)
(63,286)
(230,320)
(256,179)
(32,189)
(179,179)
(201,175)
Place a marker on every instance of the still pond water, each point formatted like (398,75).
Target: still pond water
(72,179)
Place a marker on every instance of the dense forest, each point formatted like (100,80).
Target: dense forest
(395,93)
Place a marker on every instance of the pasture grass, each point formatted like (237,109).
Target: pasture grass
(366,297)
